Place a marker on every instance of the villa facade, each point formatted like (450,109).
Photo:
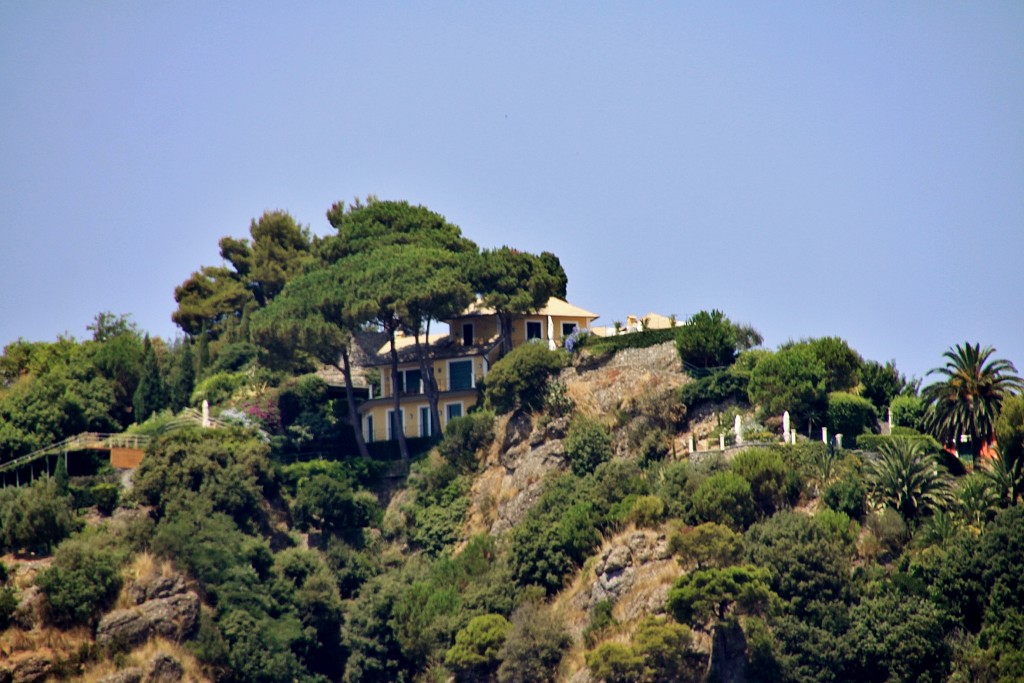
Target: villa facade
(460,359)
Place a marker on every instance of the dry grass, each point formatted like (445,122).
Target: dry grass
(143,654)
(144,567)
(42,639)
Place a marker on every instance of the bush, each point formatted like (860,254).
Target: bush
(464,436)
(106,497)
(631,340)
(850,415)
(792,379)
(333,507)
(615,663)
(83,581)
(520,379)
(907,411)
(601,619)
(534,646)
(477,645)
(725,498)
(647,511)
(772,484)
(8,605)
(889,529)
(35,517)
(847,496)
(706,340)
(718,387)
(587,445)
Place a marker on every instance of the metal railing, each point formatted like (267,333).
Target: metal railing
(86,441)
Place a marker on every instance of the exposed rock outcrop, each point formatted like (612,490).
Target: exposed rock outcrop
(130,675)
(174,618)
(32,669)
(626,574)
(164,669)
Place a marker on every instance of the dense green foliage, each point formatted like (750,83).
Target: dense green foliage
(35,517)
(796,563)
(587,444)
(519,380)
(792,379)
(966,402)
(850,415)
(632,340)
(707,340)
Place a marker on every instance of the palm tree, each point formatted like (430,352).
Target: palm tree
(967,400)
(1006,477)
(904,476)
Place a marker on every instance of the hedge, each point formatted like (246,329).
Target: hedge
(630,340)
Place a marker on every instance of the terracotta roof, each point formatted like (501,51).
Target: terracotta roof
(554,306)
(441,346)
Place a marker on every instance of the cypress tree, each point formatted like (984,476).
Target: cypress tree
(150,395)
(184,380)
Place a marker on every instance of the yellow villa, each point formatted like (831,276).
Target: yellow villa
(460,358)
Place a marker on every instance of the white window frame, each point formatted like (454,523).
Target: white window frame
(574,323)
(526,331)
(405,381)
(391,422)
(472,373)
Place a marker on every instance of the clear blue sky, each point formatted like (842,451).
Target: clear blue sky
(851,169)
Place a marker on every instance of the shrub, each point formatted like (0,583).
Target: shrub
(556,400)
(476,647)
(84,579)
(520,379)
(667,650)
(466,435)
(771,482)
(707,340)
(587,445)
(907,411)
(792,379)
(333,507)
(8,605)
(600,619)
(632,340)
(647,511)
(889,529)
(534,646)
(725,498)
(850,415)
(106,497)
(35,517)
(655,446)
(847,496)
(615,663)
(707,545)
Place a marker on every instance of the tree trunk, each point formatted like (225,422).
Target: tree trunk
(353,416)
(429,382)
(505,331)
(403,446)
